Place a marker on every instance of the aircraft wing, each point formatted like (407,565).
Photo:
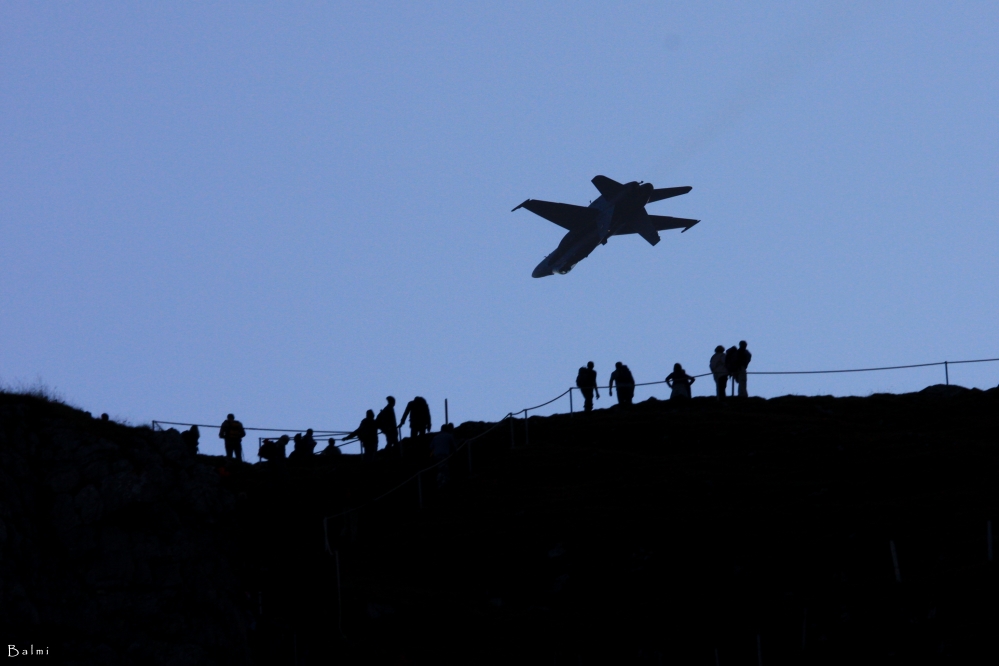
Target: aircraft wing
(607,187)
(564,215)
(667,192)
(659,223)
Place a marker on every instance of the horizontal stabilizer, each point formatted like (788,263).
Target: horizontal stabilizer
(664,222)
(564,215)
(607,187)
(667,192)
(659,223)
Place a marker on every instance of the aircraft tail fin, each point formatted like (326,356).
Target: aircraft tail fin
(565,215)
(607,187)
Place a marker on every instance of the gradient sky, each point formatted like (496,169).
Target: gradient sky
(292,211)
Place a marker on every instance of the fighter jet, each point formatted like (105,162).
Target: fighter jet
(619,210)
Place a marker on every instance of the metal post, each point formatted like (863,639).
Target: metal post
(446,420)
(946,373)
(527,437)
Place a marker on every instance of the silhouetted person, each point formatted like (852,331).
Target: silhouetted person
(625,384)
(232,433)
(743,357)
(386,423)
(732,364)
(586,380)
(680,382)
(331,448)
(308,443)
(719,371)
(271,449)
(190,439)
(441,448)
(367,434)
(418,412)
(105,418)
(305,446)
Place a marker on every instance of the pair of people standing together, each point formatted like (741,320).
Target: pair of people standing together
(733,363)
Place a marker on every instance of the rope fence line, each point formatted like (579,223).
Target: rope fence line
(156,425)
(511,416)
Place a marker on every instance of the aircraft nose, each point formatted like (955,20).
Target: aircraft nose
(542,270)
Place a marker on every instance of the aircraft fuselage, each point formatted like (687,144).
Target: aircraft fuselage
(614,214)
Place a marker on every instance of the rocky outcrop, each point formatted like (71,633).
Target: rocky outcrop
(110,550)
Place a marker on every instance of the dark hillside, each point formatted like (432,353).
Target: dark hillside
(654,535)
(699,533)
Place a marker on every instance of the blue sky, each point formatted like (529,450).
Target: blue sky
(292,211)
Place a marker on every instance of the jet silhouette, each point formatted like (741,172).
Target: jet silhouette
(619,210)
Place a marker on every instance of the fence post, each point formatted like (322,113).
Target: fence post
(946,373)
(446,420)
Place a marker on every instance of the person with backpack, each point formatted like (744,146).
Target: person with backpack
(743,357)
(680,382)
(273,450)
(625,384)
(232,432)
(386,423)
(418,412)
(586,380)
(719,371)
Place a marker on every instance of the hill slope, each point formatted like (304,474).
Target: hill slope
(797,530)
(661,532)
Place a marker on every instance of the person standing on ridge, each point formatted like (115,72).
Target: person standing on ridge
(442,448)
(732,364)
(586,380)
(367,434)
(743,357)
(625,384)
(386,423)
(418,412)
(232,433)
(719,371)
(680,382)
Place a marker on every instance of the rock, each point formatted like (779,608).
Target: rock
(945,390)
